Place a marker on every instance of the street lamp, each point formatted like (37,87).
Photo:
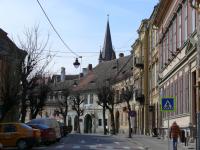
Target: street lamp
(76,63)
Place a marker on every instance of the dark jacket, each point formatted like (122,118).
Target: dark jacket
(174,131)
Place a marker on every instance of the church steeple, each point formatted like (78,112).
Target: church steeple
(108,52)
(100,57)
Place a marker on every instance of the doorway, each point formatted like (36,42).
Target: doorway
(88,124)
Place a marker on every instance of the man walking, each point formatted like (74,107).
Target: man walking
(174,134)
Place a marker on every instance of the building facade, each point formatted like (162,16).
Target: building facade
(153,68)
(140,73)
(177,61)
(11,58)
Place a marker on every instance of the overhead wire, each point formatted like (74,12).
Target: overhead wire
(50,22)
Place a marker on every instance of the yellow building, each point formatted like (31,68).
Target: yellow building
(153,90)
(140,73)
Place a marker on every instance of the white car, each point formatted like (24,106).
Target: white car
(52,123)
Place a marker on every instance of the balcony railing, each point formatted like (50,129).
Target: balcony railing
(139,96)
(139,62)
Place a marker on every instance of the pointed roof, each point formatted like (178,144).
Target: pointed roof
(100,56)
(108,51)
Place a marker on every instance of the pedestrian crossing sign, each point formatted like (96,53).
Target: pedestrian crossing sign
(168,104)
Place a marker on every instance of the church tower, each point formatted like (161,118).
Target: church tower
(107,53)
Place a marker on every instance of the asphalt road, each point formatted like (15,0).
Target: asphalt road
(92,142)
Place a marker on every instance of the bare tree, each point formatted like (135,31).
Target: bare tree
(37,98)
(127,96)
(102,102)
(106,100)
(34,64)
(76,103)
(63,104)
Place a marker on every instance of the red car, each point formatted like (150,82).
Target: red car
(48,135)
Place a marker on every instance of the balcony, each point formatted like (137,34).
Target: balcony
(139,62)
(139,96)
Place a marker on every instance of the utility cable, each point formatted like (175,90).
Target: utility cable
(65,44)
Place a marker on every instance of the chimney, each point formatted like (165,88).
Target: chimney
(84,71)
(90,67)
(62,74)
(121,55)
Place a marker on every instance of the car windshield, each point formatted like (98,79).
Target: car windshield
(39,126)
(36,121)
(25,126)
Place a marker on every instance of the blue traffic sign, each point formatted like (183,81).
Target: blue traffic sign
(168,104)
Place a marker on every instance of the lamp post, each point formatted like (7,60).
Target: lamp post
(76,65)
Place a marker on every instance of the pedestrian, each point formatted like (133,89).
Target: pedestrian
(174,134)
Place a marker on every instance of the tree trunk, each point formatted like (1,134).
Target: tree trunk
(23,113)
(79,130)
(112,122)
(23,103)
(129,120)
(129,126)
(65,119)
(104,120)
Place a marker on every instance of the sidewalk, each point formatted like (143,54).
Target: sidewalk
(154,143)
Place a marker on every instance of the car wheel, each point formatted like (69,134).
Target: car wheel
(58,140)
(22,145)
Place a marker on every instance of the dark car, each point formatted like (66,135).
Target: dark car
(48,134)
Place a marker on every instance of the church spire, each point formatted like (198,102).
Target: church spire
(100,56)
(108,52)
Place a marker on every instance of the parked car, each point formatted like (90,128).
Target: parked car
(18,135)
(52,123)
(48,135)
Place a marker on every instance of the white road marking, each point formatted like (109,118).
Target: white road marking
(60,146)
(117,143)
(126,148)
(92,146)
(76,147)
(82,141)
(141,147)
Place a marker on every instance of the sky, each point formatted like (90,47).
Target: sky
(81,24)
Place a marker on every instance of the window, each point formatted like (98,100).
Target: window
(167,46)
(85,99)
(100,122)
(193,18)
(179,29)
(91,98)
(153,39)
(170,40)
(10,128)
(153,76)
(164,51)
(185,21)
(174,36)
(161,56)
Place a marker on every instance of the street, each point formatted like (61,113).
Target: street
(93,142)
